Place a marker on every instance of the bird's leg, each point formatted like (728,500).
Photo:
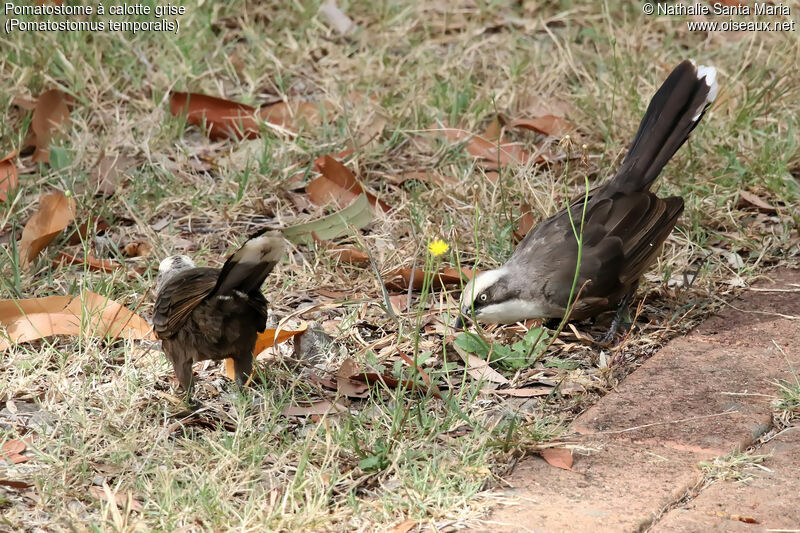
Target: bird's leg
(552,323)
(621,318)
(243,367)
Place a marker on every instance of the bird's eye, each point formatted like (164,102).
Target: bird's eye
(482,297)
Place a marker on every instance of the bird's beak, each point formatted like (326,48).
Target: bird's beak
(460,321)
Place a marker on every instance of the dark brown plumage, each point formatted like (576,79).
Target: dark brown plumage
(624,224)
(207,313)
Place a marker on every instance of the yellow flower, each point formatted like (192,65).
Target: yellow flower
(438,247)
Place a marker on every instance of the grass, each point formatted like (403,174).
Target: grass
(107,411)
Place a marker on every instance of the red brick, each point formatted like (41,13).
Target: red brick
(620,487)
(691,395)
(770,498)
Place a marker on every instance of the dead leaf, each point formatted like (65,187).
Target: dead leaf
(106,174)
(13,446)
(90,314)
(50,113)
(413,364)
(338,19)
(86,231)
(55,213)
(391,382)
(338,184)
(267,339)
(525,223)
(137,249)
(91,262)
(122,500)
(547,124)
(372,126)
(321,407)
(495,153)
(478,368)
(12,450)
(399,302)
(532,392)
(347,386)
(401,278)
(746,199)
(293,116)
(348,254)
(222,118)
(28,104)
(493,130)
(424,177)
(14,484)
(336,295)
(403,527)
(558,457)
(9,177)
(342,252)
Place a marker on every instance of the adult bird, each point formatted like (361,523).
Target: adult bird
(208,313)
(624,224)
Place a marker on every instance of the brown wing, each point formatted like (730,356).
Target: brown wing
(622,236)
(179,297)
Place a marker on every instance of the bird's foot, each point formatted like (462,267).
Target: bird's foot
(552,323)
(616,326)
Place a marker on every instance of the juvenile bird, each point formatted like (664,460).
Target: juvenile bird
(624,224)
(207,313)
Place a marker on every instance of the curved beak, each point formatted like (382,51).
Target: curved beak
(460,321)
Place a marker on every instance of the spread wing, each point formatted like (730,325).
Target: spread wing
(179,297)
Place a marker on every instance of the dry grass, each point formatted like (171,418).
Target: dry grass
(104,413)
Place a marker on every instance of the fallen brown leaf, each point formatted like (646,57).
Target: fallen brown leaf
(423,176)
(137,249)
(267,339)
(320,407)
(547,124)
(401,278)
(87,230)
(532,392)
(55,213)
(121,500)
(349,387)
(338,184)
(223,118)
(558,457)
(391,382)
(478,368)
(91,262)
(399,302)
(12,450)
(51,111)
(9,178)
(28,104)
(106,174)
(294,116)
(89,314)
(13,446)
(348,254)
(403,527)
(14,484)
(495,153)
(525,223)
(336,295)
(746,199)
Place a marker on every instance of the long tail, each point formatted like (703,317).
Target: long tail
(250,265)
(675,110)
